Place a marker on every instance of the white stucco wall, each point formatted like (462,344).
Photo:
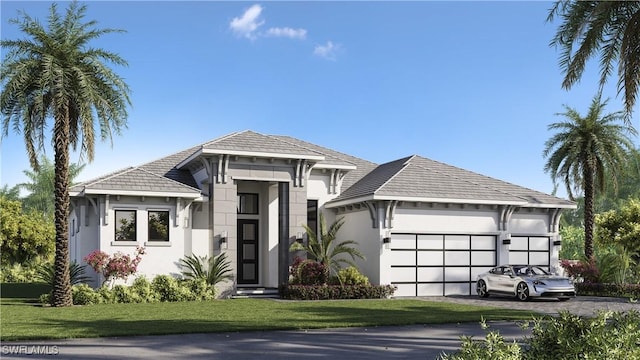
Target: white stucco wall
(357,227)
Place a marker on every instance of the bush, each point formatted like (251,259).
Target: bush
(308,272)
(332,292)
(142,287)
(169,289)
(200,290)
(84,294)
(352,276)
(21,272)
(581,270)
(609,335)
(615,290)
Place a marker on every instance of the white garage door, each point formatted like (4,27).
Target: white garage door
(532,250)
(437,265)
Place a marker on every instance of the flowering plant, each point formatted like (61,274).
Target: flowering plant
(116,266)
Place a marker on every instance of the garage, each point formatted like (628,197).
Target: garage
(532,250)
(440,264)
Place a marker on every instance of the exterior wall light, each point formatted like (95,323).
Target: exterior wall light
(299,237)
(223,240)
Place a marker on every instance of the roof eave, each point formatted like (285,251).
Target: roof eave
(172,194)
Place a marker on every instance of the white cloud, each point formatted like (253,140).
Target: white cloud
(287,32)
(328,51)
(248,23)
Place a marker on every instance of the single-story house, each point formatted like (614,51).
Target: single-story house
(426,227)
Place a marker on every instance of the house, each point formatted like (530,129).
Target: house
(427,227)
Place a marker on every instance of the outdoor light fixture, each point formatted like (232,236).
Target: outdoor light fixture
(506,241)
(557,243)
(299,237)
(223,240)
(386,240)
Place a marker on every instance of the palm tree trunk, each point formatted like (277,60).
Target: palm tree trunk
(589,195)
(62,284)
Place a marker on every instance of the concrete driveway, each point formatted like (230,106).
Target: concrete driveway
(401,342)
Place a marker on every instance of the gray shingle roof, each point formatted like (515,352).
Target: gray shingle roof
(136,179)
(421,178)
(250,141)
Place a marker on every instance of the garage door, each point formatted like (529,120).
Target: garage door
(437,265)
(533,250)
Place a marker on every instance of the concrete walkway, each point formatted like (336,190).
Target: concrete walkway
(401,342)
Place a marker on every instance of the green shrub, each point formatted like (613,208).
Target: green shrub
(45,273)
(199,289)
(332,292)
(142,288)
(84,294)
(608,335)
(169,289)
(125,294)
(45,299)
(106,295)
(352,276)
(21,272)
(613,290)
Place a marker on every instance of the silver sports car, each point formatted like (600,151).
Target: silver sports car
(524,282)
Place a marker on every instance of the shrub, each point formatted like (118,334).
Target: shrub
(84,294)
(46,273)
(199,289)
(608,335)
(600,289)
(213,270)
(142,287)
(352,276)
(116,266)
(125,294)
(169,289)
(581,270)
(332,292)
(308,272)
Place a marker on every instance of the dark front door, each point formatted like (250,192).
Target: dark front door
(248,252)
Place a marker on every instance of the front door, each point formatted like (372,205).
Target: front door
(248,252)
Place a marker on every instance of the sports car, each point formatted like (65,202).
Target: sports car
(524,282)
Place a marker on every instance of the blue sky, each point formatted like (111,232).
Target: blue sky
(471,84)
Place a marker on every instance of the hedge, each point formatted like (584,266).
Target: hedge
(601,289)
(333,292)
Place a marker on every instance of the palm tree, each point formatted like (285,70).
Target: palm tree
(326,250)
(54,73)
(584,152)
(608,28)
(41,186)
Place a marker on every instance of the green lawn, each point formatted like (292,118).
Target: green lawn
(22,319)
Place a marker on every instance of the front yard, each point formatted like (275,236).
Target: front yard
(22,318)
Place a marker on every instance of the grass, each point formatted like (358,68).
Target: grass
(21,319)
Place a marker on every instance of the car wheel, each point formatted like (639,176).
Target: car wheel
(522,292)
(481,289)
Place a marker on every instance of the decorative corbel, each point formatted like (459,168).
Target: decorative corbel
(373,212)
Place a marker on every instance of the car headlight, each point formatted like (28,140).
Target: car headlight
(538,282)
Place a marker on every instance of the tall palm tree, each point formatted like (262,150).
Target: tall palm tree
(325,249)
(584,152)
(610,29)
(54,73)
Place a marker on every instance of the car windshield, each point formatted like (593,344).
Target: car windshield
(530,270)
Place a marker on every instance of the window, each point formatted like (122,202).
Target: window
(312,215)
(158,225)
(248,204)
(126,225)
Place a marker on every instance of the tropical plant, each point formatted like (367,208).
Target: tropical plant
(610,29)
(584,151)
(10,193)
(615,266)
(41,188)
(621,227)
(326,249)
(212,269)
(55,73)
(23,236)
(46,273)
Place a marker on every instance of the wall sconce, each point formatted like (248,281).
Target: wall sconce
(557,243)
(299,237)
(223,240)
(506,241)
(386,240)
